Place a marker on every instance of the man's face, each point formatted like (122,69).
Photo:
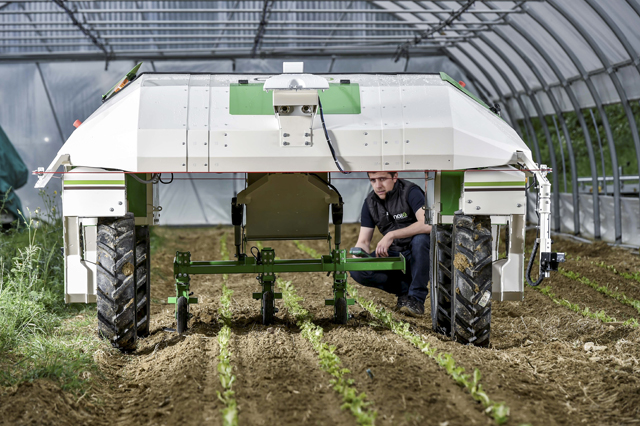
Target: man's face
(382,182)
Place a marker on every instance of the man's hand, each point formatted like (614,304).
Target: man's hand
(383,246)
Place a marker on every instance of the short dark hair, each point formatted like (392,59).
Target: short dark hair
(391,173)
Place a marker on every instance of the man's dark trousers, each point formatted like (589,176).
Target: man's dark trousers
(414,282)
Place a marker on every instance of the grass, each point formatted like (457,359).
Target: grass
(356,403)
(619,296)
(585,312)
(497,410)
(40,336)
(225,369)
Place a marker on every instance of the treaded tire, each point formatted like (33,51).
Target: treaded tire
(116,281)
(268,307)
(441,279)
(341,311)
(143,281)
(182,314)
(472,277)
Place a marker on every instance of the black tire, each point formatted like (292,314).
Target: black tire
(182,314)
(472,276)
(268,307)
(116,281)
(143,281)
(341,311)
(442,279)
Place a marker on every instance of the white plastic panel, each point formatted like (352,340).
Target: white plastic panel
(198,123)
(79,260)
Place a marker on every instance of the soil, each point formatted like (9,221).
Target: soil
(548,364)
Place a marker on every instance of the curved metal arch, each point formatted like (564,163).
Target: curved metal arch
(636,60)
(493,83)
(596,98)
(482,91)
(543,121)
(525,114)
(563,124)
(583,124)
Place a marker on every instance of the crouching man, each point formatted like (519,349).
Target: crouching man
(396,207)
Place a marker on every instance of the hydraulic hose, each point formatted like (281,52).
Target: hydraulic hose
(326,135)
(155,177)
(530,266)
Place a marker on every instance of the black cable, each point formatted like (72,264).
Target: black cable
(536,244)
(166,183)
(326,135)
(330,185)
(530,266)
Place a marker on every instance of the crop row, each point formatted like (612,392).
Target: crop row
(585,312)
(498,411)
(619,296)
(225,370)
(635,276)
(356,403)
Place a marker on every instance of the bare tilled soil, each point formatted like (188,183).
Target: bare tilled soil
(548,364)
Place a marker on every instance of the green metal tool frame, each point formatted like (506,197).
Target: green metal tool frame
(268,266)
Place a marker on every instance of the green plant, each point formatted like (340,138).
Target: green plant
(41,336)
(225,369)
(619,296)
(634,276)
(330,362)
(308,250)
(600,315)
(497,410)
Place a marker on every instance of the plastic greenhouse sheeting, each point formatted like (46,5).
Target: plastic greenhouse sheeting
(13,175)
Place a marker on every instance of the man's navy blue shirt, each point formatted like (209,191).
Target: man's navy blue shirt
(415,199)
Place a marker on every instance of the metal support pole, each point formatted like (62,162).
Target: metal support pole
(625,104)
(604,170)
(576,106)
(53,110)
(564,164)
(596,98)
(525,115)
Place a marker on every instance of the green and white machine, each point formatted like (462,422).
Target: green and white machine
(287,132)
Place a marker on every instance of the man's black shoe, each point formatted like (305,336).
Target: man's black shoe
(402,301)
(413,307)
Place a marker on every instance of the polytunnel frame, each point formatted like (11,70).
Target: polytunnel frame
(558,111)
(534,101)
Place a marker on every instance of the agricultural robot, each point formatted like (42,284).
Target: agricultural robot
(288,132)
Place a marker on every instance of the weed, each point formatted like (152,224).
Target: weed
(329,361)
(40,336)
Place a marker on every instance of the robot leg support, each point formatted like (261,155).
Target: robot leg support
(548,260)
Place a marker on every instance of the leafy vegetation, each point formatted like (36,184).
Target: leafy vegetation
(225,369)
(621,132)
(41,336)
(306,249)
(634,276)
(619,296)
(329,361)
(585,312)
(497,410)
